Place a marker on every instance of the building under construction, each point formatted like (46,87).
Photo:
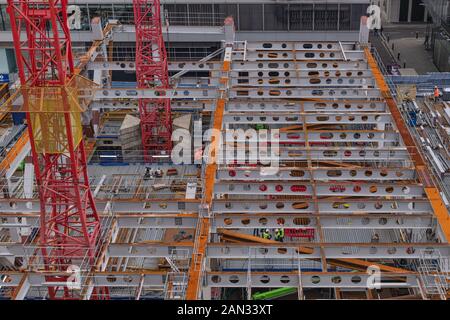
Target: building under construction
(246,150)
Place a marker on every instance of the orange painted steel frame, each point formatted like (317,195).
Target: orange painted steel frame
(424,174)
(14,151)
(4,94)
(210,176)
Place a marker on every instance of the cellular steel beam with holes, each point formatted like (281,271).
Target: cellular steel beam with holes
(211,93)
(326,206)
(294,118)
(330,173)
(288,278)
(130,205)
(319,105)
(131,66)
(333,154)
(258,251)
(253,220)
(342,189)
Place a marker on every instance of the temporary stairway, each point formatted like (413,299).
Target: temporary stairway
(434,275)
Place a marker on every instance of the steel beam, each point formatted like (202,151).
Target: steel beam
(131,205)
(331,250)
(296,117)
(307,73)
(251,220)
(211,93)
(325,106)
(132,105)
(288,278)
(326,206)
(305,81)
(321,174)
(325,136)
(150,93)
(319,154)
(270,279)
(298,45)
(291,67)
(284,250)
(338,189)
(347,222)
(281,251)
(294,93)
(173,66)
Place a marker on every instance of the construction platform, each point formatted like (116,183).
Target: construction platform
(334,168)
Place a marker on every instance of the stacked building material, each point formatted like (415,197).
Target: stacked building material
(130,139)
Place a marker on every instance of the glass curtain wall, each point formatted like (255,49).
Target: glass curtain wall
(247,17)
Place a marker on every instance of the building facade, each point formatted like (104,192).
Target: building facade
(395,11)
(193,29)
(440,32)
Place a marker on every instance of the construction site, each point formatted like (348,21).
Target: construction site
(151,154)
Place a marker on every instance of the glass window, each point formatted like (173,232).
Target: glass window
(250,17)
(104,11)
(275,16)
(222,11)
(301,17)
(84,17)
(325,16)
(344,17)
(124,51)
(4,19)
(11,58)
(124,13)
(200,14)
(188,51)
(177,14)
(358,10)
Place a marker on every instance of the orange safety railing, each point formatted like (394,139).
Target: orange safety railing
(14,151)
(89,147)
(423,173)
(203,225)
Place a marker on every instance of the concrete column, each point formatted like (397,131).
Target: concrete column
(394,10)
(410,4)
(363,31)
(387,10)
(229,30)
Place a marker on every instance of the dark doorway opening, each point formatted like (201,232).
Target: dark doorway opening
(418,11)
(404,8)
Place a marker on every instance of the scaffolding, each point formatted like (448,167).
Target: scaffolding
(434,273)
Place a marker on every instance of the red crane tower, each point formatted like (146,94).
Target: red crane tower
(152,72)
(69,223)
